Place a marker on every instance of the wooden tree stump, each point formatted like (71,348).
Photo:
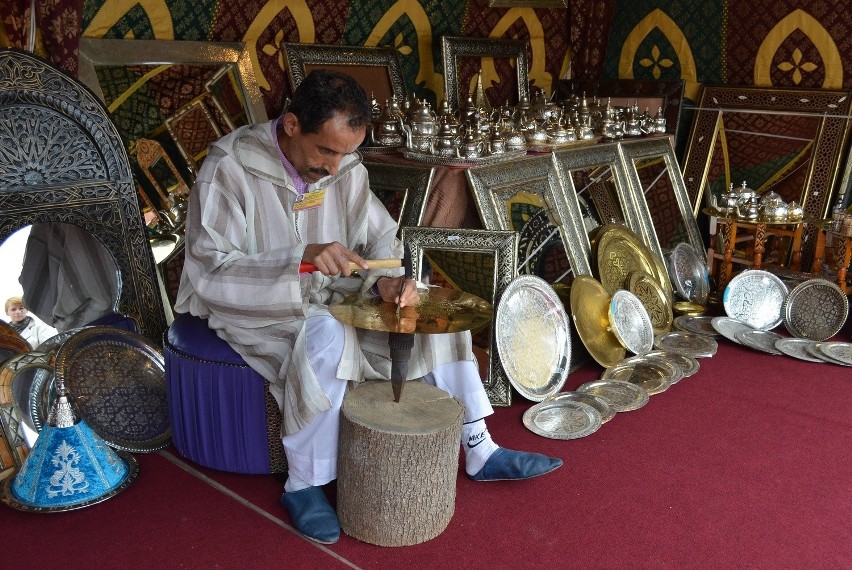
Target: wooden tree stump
(398,463)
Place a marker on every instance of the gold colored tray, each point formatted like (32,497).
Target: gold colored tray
(590,312)
(620,252)
(648,290)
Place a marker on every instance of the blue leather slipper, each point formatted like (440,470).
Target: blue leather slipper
(312,515)
(507,465)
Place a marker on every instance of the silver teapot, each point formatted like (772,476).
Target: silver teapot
(386,131)
(420,126)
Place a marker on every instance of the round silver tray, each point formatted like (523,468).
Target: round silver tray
(838,351)
(452,161)
(690,344)
(797,348)
(674,372)
(379,149)
(815,349)
(698,325)
(533,337)
(606,411)
(688,366)
(815,309)
(755,297)
(562,419)
(621,396)
(761,340)
(651,375)
(729,327)
(689,274)
(630,322)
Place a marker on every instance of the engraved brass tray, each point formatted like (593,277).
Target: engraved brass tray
(652,375)
(562,419)
(440,310)
(815,309)
(698,325)
(533,337)
(117,378)
(646,288)
(691,344)
(455,161)
(630,323)
(606,411)
(621,396)
(729,327)
(620,252)
(760,340)
(755,297)
(590,312)
(797,348)
(688,366)
(689,274)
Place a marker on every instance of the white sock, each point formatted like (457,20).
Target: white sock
(294,484)
(478,445)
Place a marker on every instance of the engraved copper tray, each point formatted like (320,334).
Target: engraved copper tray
(689,274)
(620,252)
(562,419)
(797,348)
(622,396)
(646,288)
(755,297)
(815,309)
(606,411)
(691,344)
(590,312)
(630,323)
(117,380)
(533,337)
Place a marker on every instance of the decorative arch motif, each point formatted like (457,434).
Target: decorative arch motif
(304,24)
(536,71)
(161,26)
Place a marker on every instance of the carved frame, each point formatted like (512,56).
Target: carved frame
(453,47)
(414,182)
(503,245)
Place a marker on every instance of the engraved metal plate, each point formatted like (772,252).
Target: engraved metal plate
(620,252)
(815,350)
(630,322)
(651,375)
(755,297)
(729,327)
(815,309)
(606,411)
(563,419)
(689,274)
(698,325)
(839,351)
(453,161)
(117,380)
(646,288)
(621,396)
(590,312)
(533,337)
(760,340)
(674,372)
(691,344)
(797,348)
(688,365)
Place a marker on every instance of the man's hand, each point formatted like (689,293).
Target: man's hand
(332,258)
(389,290)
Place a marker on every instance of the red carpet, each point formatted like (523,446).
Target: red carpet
(745,464)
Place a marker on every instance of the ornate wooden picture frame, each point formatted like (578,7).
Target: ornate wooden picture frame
(403,189)
(502,247)
(455,48)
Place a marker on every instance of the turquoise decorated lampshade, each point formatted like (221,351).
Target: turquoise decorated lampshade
(69,467)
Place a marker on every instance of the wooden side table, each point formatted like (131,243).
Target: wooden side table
(843,255)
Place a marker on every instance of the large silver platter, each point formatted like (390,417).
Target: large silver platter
(117,380)
(453,161)
(691,344)
(815,309)
(815,349)
(652,375)
(621,396)
(797,348)
(839,351)
(755,297)
(761,340)
(688,366)
(729,327)
(533,337)
(698,325)
(606,411)
(630,322)
(562,419)
(689,274)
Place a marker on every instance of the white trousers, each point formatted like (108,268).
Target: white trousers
(312,451)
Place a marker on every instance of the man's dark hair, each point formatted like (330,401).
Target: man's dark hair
(322,94)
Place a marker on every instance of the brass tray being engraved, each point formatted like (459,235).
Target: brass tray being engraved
(729,327)
(630,322)
(646,288)
(691,344)
(590,312)
(797,348)
(815,309)
(838,351)
(621,396)
(698,325)
(440,310)
(688,366)
(562,419)
(117,380)
(760,340)
(652,375)
(689,274)
(755,297)
(815,349)
(606,411)
(533,337)
(620,252)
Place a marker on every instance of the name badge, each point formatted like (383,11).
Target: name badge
(309,200)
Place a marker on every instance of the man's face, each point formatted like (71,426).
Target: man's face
(317,155)
(16,312)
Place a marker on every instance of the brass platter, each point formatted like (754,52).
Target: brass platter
(562,419)
(440,310)
(621,396)
(590,312)
(648,290)
(652,375)
(620,252)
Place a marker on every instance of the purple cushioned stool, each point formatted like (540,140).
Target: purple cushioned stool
(221,411)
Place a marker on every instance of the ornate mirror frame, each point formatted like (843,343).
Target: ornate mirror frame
(377,69)
(828,109)
(453,48)
(503,247)
(411,184)
(65,162)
